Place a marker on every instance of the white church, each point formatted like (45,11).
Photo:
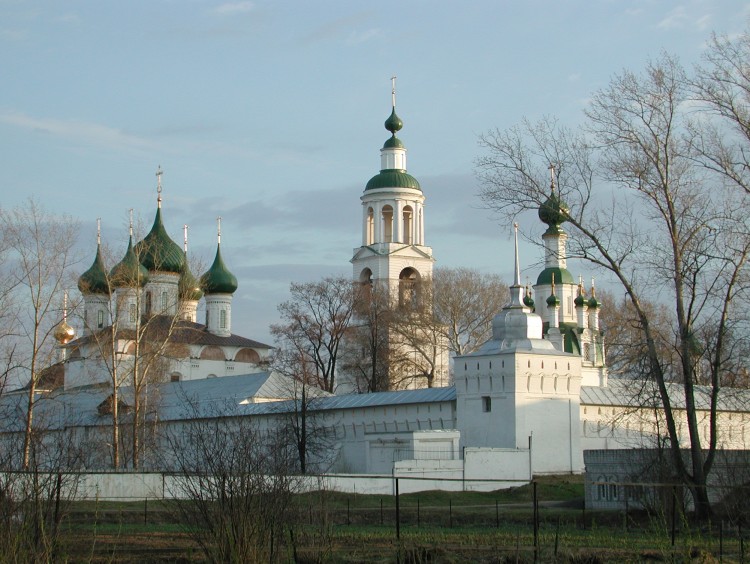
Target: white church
(529,401)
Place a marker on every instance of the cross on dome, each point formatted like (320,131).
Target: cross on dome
(159,172)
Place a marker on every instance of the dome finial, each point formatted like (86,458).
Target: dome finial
(393,91)
(517,274)
(184,244)
(218,230)
(131,221)
(98,231)
(159,172)
(552,177)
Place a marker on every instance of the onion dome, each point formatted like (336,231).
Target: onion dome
(593,302)
(64,333)
(157,250)
(580,300)
(393,123)
(129,273)
(528,301)
(188,287)
(553,212)
(553,300)
(218,279)
(94,280)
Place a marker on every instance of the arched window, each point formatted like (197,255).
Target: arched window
(223,319)
(164,301)
(148,303)
(370,226)
(100,318)
(408,289)
(365,282)
(408,219)
(212,352)
(387,224)
(247,355)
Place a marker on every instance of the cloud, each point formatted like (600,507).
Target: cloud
(81,131)
(232,8)
(679,18)
(342,27)
(355,38)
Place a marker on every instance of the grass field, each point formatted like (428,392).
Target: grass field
(433,527)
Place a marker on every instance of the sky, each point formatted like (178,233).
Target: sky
(270,114)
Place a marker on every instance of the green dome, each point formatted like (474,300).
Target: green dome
(128,273)
(393,123)
(528,301)
(94,280)
(188,287)
(218,279)
(553,212)
(158,252)
(580,300)
(393,143)
(562,276)
(553,300)
(594,303)
(393,178)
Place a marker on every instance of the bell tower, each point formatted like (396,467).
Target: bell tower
(393,253)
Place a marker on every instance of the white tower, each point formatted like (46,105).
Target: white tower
(393,251)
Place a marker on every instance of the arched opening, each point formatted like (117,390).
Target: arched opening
(370,226)
(212,352)
(247,355)
(130,349)
(408,221)
(177,350)
(387,224)
(365,290)
(408,289)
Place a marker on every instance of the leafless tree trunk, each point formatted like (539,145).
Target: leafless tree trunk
(41,254)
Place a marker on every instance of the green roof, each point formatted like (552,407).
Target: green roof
(393,143)
(128,273)
(158,252)
(218,279)
(393,123)
(393,178)
(94,280)
(562,276)
(570,336)
(553,211)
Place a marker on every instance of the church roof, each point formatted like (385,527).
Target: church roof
(218,279)
(393,178)
(633,393)
(179,331)
(94,280)
(128,272)
(158,252)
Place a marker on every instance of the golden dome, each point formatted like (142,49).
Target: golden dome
(64,333)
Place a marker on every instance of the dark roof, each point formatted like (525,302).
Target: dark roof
(179,331)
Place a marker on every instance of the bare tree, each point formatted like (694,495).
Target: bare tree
(366,358)
(41,254)
(662,231)
(237,483)
(464,301)
(314,322)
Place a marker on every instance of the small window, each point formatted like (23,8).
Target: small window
(164,301)
(486,404)
(223,319)
(132,313)
(174,377)
(100,319)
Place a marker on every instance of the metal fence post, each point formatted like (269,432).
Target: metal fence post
(398,514)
